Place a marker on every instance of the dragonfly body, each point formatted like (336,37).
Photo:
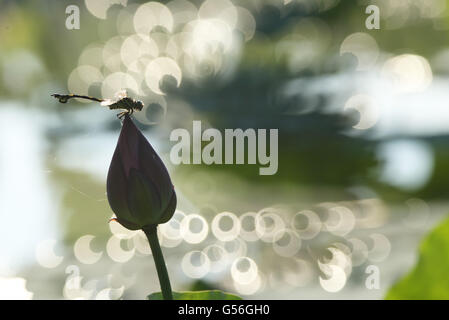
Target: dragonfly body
(121,101)
(63,98)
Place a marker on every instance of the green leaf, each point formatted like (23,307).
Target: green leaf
(428,279)
(197,295)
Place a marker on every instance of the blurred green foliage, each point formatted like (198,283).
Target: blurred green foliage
(84,207)
(428,279)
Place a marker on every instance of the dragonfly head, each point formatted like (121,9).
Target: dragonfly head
(138,105)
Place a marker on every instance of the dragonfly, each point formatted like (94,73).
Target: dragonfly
(121,101)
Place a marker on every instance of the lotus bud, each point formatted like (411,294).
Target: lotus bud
(139,188)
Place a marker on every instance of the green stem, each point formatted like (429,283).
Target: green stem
(151,233)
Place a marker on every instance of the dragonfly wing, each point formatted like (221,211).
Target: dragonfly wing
(121,94)
(107,102)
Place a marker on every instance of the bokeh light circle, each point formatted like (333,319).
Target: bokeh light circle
(268,223)
(225,235)
(195,264)
(248,226)
(194,236)
(244,270)
(312,228)
(287,248)
(217,256)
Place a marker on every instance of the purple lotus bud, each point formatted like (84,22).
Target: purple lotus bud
(139,188)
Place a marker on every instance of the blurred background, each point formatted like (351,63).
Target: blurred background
(356,210)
